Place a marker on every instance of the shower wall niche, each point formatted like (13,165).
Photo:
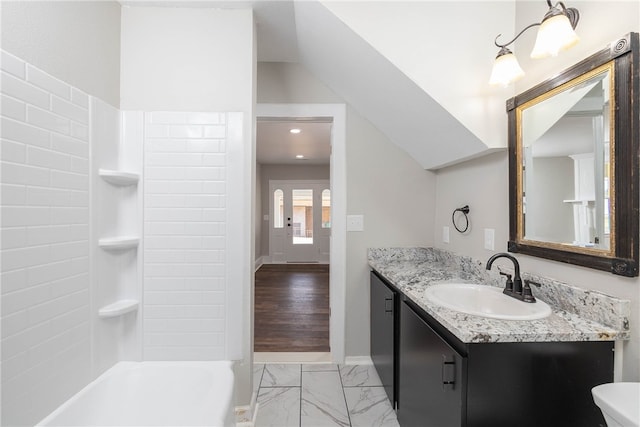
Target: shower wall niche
(116,166)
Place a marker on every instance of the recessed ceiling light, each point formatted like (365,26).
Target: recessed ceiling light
(299,156)
(295,130)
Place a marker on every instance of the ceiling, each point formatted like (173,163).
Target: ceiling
(276,145)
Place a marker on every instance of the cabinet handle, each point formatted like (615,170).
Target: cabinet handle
(388,305)
(448,372)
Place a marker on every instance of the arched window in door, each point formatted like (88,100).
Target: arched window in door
(326,208)
(278,208)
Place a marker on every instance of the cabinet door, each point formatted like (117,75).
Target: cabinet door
(382,333)
(432,376)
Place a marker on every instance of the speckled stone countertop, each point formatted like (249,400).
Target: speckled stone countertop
(578,314)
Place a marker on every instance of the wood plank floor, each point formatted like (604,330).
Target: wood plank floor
(292,308)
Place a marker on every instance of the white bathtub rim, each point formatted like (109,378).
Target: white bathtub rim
(119,367)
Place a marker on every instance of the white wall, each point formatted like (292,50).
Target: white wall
(282,172)
(76,41)
(484,183)
(390,189)
(46,335)
(177,59)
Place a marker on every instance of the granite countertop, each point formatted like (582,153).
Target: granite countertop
(578,314)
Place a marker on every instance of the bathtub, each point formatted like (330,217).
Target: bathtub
(153,394)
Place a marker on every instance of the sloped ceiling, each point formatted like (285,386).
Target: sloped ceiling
(382,93)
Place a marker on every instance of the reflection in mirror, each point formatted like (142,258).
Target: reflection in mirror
(566,143)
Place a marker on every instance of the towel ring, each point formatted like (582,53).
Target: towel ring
(465,211)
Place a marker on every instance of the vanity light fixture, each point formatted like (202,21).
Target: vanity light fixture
(295,131)
(556,33)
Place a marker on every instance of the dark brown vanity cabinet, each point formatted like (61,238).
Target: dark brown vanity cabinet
(383,333)
(442,382)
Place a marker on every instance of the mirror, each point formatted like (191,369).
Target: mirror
(573,163)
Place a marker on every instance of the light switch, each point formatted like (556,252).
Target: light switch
(489,238)
(265,217)
(445,234)
(355,222)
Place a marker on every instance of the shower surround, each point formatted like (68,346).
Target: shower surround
(77,296)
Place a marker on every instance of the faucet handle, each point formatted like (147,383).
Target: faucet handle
(509,285)
(505,274)
(527,296)
(531,282)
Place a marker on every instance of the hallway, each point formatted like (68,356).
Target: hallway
(292,308)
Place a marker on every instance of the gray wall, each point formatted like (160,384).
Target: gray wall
(384,184)
(75,41)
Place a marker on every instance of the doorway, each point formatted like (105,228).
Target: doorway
(336,113)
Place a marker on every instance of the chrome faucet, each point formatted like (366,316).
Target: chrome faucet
(514,288)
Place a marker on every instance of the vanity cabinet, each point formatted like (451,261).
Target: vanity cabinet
(444,382)
(383,314)
(431,376)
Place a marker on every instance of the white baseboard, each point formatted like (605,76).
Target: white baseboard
(258,263)
(358,360)
(246,414)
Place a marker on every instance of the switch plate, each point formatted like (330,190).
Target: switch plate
(489,238)
(445,234)
(265,217)
(355,222)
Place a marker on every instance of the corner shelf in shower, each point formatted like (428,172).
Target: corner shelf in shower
(118,308)
(118,177)
(119,243)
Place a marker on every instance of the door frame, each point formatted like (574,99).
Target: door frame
(338,186)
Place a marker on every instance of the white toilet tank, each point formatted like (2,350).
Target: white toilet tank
(619,403)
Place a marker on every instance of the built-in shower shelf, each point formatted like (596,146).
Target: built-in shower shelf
(119,243)
(120,178)
(118,308)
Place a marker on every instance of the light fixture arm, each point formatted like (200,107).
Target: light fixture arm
(516,37)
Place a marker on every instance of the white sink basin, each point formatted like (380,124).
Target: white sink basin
(485,301)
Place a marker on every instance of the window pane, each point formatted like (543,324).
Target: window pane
(326,208)
(302,217)
(278,209)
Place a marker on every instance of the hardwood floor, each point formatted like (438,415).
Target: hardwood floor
(292,308)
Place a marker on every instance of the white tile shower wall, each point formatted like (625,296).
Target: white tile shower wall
(46,346)
(184,235)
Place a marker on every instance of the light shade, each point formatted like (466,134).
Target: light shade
(505,69)
(555,34)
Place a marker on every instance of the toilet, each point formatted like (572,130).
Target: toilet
(619,403)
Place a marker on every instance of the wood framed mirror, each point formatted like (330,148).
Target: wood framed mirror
(573,163)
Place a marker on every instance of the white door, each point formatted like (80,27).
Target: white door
(300,221)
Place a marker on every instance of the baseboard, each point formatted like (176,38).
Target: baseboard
(258,263)
(358,360)
(291,357)
(246,414)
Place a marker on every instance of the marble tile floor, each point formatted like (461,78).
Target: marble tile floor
(318,395)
